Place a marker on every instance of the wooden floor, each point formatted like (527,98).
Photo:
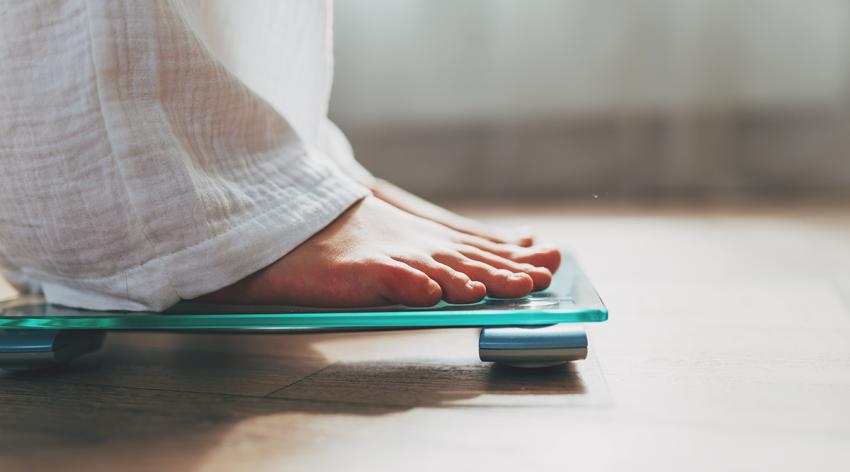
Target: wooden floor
(728,348)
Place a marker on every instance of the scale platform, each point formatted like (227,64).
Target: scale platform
(537,330)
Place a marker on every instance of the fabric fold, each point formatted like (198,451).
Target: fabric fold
(138,169)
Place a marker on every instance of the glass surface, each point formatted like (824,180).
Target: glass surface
(570,299)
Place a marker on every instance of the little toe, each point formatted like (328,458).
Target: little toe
(456,286)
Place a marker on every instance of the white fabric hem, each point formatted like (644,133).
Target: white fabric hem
(216,262)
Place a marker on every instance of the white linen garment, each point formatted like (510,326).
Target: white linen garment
(157,150)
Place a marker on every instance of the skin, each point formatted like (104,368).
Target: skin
(379,253)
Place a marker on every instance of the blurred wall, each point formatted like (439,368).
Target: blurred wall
(576,98)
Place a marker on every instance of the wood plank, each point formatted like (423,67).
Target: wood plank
(253,365)
(400,369)
(48,425)
(728,348)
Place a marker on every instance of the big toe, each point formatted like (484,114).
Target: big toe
(548,257)
(523,237)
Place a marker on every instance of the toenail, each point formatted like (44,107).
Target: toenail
(517,276)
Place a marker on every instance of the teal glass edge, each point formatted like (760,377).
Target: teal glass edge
(570,299)
(260,321)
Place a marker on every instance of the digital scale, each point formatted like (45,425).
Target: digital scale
(539,330)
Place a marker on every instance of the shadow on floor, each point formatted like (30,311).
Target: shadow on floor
(154,387)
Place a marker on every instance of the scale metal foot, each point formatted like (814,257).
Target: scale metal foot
(533,346)
(37,349)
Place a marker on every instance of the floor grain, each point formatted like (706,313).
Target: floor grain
(728,348)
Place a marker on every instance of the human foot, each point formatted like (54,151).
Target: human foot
(376,254)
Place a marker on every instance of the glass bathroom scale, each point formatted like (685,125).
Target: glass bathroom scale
(538,330)
(570,299)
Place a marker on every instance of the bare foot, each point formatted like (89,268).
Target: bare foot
(377,254)
(412,204)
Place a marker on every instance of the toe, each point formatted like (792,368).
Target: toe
(538,256)
(407,285)
(457,287)
(541,276)
(500,283)
(524,237)
(520,237)
(548,257)
(508,251)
